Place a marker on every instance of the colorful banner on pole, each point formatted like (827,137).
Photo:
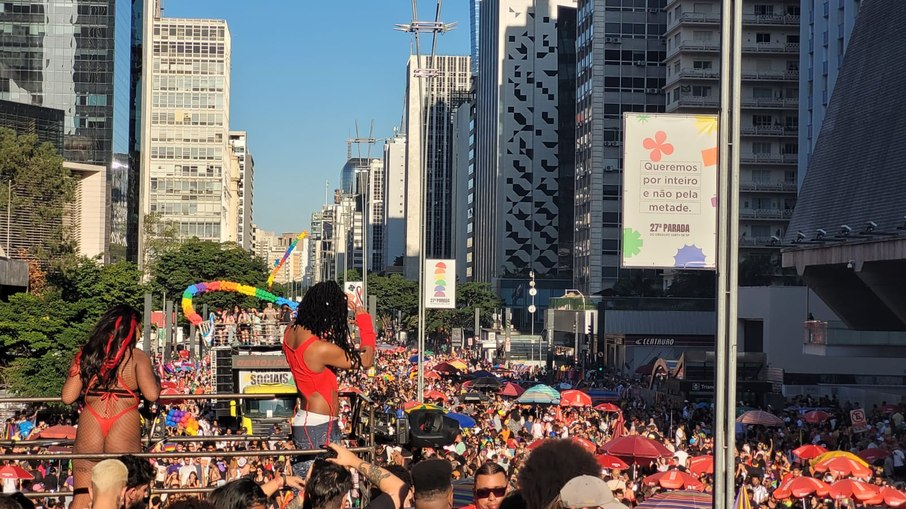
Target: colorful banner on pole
(440,284)
(669,191)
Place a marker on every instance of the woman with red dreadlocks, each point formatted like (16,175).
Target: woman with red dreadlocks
(108,372)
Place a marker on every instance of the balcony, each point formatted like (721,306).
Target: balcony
(770,102)
(769,158)
(772,47)
(771,19)
(693,101)
(770,75)
(770,130)
(756,242)
(695,47)
(707,74)
(766,214)
(768,186)
(836,339)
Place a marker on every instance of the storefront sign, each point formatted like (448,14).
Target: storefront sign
(252,378)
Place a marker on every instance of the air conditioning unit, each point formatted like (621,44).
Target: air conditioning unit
(652,91)
(611,143)
(654,10)
(640,63)
(613,40)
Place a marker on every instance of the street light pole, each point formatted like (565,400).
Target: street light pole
(576,339)
(531,309)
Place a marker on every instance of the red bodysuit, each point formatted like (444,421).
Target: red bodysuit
(324,382)
(108,395)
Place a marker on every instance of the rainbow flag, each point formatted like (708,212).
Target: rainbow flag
(742,499)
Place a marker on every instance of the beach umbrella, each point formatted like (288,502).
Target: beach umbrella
(843,466)
(430,375)
(482,374)
(611,462)
(584,443)
(349,390)
(424,406)
(841,454)
(607,407)
(888,496)
(575,398)
(539,394)
(15,472)
(458,364)
(761,418)
(873,454)
(464,420)
(800,487)
(686,499)
(636,447)
(816,416)
(446,367)
(809,451)
(851,488)
(486,382)
(700,465)
(511,390)
(674,480)
(59,431)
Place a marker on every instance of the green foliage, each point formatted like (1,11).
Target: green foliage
(699,284)
(192,261)
(396,296)
(638,283)
(99,287)
(468,297)
(41,188)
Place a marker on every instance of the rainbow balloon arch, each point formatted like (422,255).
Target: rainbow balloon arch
(188,295)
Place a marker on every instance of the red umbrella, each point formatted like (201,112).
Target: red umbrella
(800,487)
(15,472)
(678,499)
(809,451)
(534,444)
(586,444)
(842,466)
(759,417)
(410,404)
(888,496)
(437,395)
(60,432)
(816,417)
(637,448)
(851,488)
(607,407)
(873,454)
(446,367)
(700,465)
(511,390)
(574,398)
(673,480)
(431,375)
(350,390)
(611,462)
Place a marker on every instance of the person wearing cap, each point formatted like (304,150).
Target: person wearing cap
(586,491)
(490,488)
(433,485)
(108,484)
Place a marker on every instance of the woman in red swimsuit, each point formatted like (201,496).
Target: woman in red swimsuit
(316,344)
(108,372)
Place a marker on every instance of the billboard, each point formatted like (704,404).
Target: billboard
(440,284)
(669,191)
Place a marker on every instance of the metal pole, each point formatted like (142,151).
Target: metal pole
(365,229)
(9,214)
(167,329)
(146,324)
(728,245)
(425,96)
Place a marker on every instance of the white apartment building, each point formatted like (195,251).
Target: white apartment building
(449,87)
(245,188)
(826,32)
(394,243)
(271,246)
(186,153)
(770,103)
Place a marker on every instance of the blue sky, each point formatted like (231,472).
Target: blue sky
(304,71)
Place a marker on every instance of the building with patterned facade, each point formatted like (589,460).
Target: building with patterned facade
(620,55)
(185,127)
(245,188)
(77,57)
(770,106)
(450,81)
(521,192)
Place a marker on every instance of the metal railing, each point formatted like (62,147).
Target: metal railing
(768,186)
(245,334)
(770,19)
(766,213)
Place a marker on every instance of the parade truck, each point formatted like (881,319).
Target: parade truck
(253,370)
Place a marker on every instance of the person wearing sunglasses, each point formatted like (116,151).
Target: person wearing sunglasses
(491,486)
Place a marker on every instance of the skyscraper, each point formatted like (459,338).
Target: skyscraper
(827,31)
(525,139)
(770,109)
(619,69)
(76,57)
(394,243)
(185,144)
(450,83)
(474,24)
(246,188)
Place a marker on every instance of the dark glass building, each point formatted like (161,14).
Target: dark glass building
(45,123)
(76,56)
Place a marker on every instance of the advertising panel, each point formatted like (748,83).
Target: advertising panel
(440,284)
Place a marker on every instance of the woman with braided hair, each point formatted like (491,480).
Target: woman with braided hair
(318,343)
(108,372)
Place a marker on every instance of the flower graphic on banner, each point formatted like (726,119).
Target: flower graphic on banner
(689,257)
(632,242)
(658,146)
(643,119)
(706,124)
(440,279)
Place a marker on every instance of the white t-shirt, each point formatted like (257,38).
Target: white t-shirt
(681,457)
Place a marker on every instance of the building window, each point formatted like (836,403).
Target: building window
(763,37)
(762,93)
(761,147)
(701,64)
(701,91)
(701,35)
(764,10)
(761,120)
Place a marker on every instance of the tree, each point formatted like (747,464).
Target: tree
(194,260)
(469,296)
(396,297)
(638,283)
(41,189)
(159,236)
(699,284)
(756,271)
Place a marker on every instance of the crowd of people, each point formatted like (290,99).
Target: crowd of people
(248,326)
(507,453)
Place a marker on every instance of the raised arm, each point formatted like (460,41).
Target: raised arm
(369,338)
(388,483)
(144,374)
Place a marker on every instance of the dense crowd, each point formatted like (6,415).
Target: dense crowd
(499,429)
(247,326)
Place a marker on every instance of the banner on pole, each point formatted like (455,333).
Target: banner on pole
(857,417)
(440,284)
(669,191)
(355,289)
